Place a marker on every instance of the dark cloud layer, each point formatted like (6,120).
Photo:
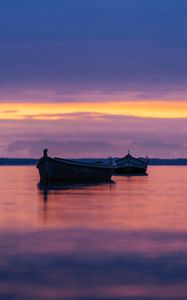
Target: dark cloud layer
(87,45)
(72,147)
(84,51)
(101,136)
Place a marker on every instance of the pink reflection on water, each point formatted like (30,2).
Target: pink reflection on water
(93,243)
(175,292)
(138,290)
(127,239)
(154,202)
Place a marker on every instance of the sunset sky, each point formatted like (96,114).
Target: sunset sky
(93,78)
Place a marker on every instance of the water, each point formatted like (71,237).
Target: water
(124,240)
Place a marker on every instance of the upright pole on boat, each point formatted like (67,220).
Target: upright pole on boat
(45,152)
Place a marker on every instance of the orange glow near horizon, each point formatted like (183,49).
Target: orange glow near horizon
(48,111)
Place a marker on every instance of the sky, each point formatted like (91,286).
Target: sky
(93,78)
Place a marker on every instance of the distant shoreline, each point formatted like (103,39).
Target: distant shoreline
(33,161)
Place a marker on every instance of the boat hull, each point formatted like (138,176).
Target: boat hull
(130,165)
(130,170)
(54,170)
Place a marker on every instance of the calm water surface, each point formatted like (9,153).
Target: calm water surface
(124,240)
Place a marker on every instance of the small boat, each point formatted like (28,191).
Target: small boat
(55,169)
(131,165)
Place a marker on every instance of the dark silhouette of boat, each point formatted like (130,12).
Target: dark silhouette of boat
(131,165)
(54,169)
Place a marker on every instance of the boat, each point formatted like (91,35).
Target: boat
(55,169)
(131,165)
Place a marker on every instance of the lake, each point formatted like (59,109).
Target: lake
(121,240)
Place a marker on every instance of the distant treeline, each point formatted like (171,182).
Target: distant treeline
(32,162)
(17,161)
(168,162)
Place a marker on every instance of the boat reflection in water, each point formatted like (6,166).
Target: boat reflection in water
(46,187)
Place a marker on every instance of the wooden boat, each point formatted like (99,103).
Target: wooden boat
(54,169)
(131,165)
